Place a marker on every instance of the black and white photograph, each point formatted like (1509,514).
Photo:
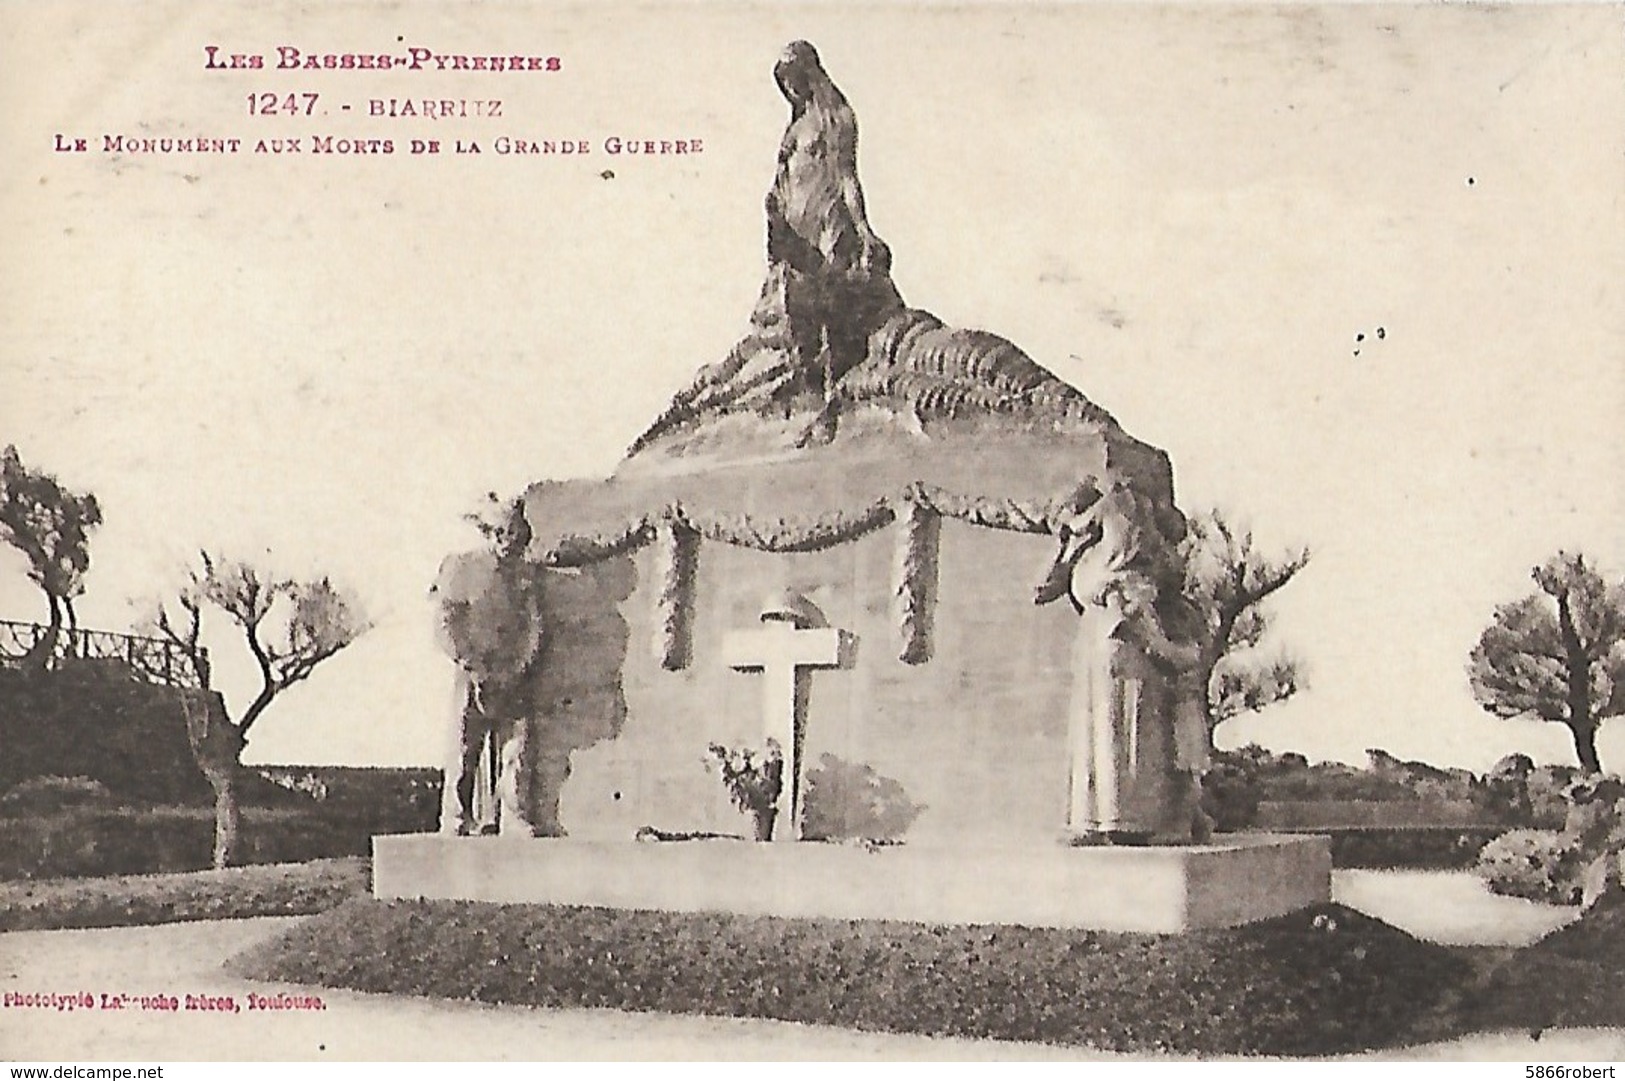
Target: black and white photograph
(1007,531)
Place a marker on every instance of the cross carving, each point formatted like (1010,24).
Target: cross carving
(786,650)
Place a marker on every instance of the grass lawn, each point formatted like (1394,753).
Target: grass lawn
(125,900)
(1570,978)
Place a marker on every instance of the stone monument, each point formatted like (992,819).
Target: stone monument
(902,492)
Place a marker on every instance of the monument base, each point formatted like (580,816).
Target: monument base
(1152,889)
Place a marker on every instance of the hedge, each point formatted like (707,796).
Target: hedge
(131,900)
(111,841)
(1320,981)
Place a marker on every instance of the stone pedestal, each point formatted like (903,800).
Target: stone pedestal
(1146,888)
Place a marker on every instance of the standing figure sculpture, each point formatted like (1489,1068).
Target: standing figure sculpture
(491,625)
(1139,739)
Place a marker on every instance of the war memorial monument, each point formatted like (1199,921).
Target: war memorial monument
(930,588)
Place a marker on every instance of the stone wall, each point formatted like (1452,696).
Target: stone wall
(976,735)
(94,719)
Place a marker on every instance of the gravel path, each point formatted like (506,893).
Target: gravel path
(1448,907)
(185,958)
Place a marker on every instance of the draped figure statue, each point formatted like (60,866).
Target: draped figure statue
(1138,738)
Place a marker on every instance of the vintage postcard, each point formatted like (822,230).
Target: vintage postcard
(812,531)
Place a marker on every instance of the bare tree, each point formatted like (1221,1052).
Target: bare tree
(1558,654)
(1227,581)
(51,527)
(289,627)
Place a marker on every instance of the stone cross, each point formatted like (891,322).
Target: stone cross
(785,650)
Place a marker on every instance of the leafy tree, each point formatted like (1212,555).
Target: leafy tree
(290,627)
(1227,580)
(51,527)
(1558,654)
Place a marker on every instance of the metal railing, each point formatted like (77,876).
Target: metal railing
(155,660)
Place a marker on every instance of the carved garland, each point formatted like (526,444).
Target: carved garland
(578,551)
(914,589)
(920,508)
(675,563)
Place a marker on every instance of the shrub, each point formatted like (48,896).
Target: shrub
(850,801)
(1503,793)
(150,840)
(138,900)
(1595,827)
(753,780)
(1540,865)
(1564,866)
(1231,794)
(1546,790)
(1439,848)
(48,795)
(1517,766)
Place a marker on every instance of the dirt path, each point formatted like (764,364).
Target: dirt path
(182,959)
(1448,907)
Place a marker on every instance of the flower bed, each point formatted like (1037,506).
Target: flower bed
(1320,981)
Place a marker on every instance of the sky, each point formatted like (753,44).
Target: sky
(321,362)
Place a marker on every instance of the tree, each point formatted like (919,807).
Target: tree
(290,627)
(51,527)
(1558,654)
(1227,581)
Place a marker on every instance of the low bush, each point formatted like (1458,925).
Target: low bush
(847,801)
(1231,793)
(1320,981)
(1539,865)
(1564,866)
(129,900)
(150,840)
(1546,793)
(48,795)
(754,779)
(1445,848)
